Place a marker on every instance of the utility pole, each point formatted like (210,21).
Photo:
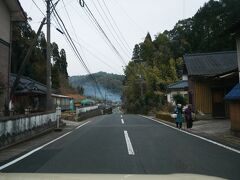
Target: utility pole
(141,85)
(48,93)
(95,92)
(105,97)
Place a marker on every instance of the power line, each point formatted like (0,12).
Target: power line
(115,24)
(98,25)
(137,26)
(99,29)
(64,5)
(96,28)
(38,8)
(76,53)
(94,55)
(85,42)
(91,52)
(114,29)
(121,44)
(73,46)
(103,32)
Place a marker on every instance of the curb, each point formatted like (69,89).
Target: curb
(200,134)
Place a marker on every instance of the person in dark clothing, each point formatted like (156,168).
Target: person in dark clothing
(188,117)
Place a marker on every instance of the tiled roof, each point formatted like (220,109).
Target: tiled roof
(76,97)
(178,85)
(28,85)
(234,94)
(211,64)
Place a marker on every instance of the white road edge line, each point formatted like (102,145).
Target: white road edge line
(129,144)
(83,124)
(122,121)
(197,136)
(35,150)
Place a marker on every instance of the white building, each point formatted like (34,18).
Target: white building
(180,87)
(10,11)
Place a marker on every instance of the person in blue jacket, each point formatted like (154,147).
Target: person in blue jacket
(179,119)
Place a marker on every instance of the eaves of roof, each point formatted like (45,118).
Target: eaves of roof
(210,64)
(16,10)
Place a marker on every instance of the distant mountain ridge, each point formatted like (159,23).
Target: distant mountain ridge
(110,85)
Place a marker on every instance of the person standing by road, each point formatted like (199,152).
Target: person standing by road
(188,116)
(179,119)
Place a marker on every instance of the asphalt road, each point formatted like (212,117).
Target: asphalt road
(130,145)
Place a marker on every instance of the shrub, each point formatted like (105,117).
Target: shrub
(180,99)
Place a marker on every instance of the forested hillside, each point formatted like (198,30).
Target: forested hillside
(109,83)
(158,62)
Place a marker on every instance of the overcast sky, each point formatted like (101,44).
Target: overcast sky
(134,19)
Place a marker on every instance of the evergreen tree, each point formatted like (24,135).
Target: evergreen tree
(63,64)
(136,53)
(147,50)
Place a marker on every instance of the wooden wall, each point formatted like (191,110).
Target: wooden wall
(202,97)
(235,115)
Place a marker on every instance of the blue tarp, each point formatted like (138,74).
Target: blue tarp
(234,94)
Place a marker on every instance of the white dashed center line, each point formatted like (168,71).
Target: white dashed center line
(129,144)
(122,121)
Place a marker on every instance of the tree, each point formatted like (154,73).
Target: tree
(80,90)
(180,99)
(63,63)
(59,68)
(55,77)
(136,53)
(147,50)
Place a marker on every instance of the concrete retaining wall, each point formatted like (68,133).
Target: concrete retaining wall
(14,129)
(89,114)
(85,109)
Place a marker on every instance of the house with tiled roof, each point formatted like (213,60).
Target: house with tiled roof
(31,94)
(210,77)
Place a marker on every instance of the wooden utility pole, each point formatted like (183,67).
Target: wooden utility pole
(48,93)
(141,84)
